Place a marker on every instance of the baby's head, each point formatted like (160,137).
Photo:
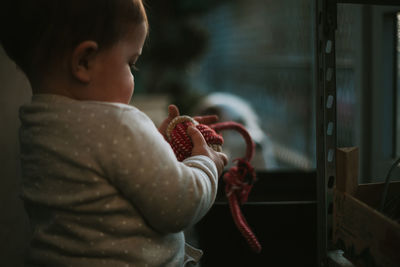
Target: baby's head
(75,47)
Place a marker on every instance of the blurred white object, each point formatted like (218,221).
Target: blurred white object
(229,107)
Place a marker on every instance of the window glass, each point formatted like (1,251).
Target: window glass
(258,70)
(250,61)
(348,55)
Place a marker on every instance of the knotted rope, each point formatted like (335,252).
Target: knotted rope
(238,180)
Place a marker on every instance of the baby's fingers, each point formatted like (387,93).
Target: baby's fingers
(173,111)
(208,119)
(199,143)
(200,147)
(223,157)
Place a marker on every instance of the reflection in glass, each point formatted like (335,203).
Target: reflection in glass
(259,52)
(262,53)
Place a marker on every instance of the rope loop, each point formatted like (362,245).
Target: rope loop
(239,180)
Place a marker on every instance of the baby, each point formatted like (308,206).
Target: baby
(101,185)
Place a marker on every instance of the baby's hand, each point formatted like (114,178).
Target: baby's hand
(200,147)
(173,111)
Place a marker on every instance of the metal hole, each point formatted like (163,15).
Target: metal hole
(330,155)
(329,101)
(328,47)
(331,181)
(329,129)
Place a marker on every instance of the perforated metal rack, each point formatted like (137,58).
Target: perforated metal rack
(325,118)
(325,80)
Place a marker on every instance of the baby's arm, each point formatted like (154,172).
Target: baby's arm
(169,194)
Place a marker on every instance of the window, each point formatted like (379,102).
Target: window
(261,53)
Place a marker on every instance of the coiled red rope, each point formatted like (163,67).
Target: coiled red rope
(238,180)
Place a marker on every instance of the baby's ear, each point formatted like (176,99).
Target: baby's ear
(81,60)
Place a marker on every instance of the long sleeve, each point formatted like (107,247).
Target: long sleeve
(171,195)
(103,187)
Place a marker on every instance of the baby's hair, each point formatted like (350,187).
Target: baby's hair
(38,33)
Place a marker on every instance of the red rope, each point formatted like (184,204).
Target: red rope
(238,180)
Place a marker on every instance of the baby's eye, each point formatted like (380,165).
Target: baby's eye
(133,67)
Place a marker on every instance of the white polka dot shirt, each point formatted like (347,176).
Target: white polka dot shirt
(103,188)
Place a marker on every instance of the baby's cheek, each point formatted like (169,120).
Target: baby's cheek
(130,86)
(132,82)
